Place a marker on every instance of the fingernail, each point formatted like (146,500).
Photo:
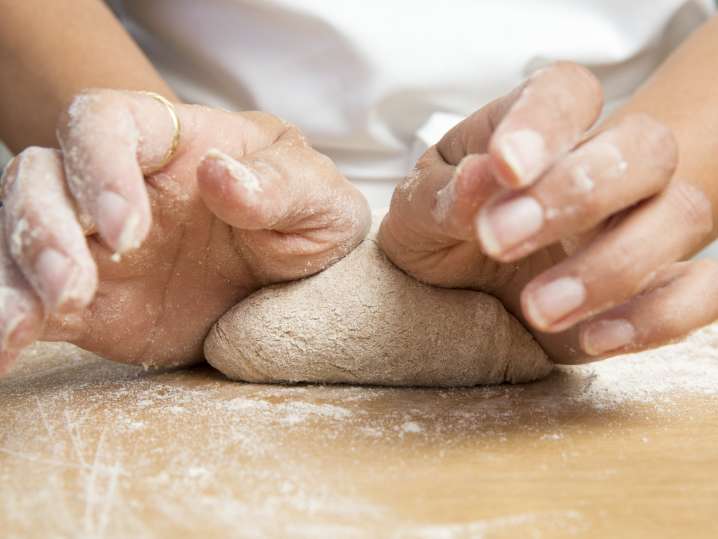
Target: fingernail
(607,335)
(524,152)
(117,220)
(243,175)
(555,300)
(508,224)
(54,271)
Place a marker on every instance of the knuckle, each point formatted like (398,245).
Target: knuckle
(693,207)
(37,153)
(29,155)
(292,129)
(589,80)
(268,117)
(569,67)
(265,119)
(295,137)
(36,161)
(589,209)
(576,74)
(27,169)
(323,162)
(560,68)
(621,276)
(656,139)
(79,105)
(625,277)
(427,160)
(85,105)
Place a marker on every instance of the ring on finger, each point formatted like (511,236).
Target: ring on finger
(177,127)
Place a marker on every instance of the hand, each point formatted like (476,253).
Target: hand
(244,203)
(577,233)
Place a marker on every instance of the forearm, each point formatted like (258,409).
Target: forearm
(49,51)
(683,94)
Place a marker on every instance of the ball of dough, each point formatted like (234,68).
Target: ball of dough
(364,321)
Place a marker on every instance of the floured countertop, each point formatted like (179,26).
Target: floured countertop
(626,447)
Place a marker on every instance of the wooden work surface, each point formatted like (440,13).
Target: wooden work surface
(625,448)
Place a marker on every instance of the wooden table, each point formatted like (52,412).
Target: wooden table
(625,448)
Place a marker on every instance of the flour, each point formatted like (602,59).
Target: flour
(445,200)
(411,426)
(292,412)
(105,450)
(244,176)
(582,182)
(654,377)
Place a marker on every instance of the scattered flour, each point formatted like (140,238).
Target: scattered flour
(444,202)
(655,377)
(96,447)
(582,182)
(292,412)
(243,175)
(411,426)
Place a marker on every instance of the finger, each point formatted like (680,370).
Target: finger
(447,195)
(43,234)
(620,260)
(615,170)
(108,138)
(549,116)
(21,315)
(291,189)
(680,300)
(265,189)
(455,204)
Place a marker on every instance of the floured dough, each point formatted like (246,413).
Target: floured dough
(363,321)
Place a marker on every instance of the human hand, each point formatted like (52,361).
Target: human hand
(577,233)
(245,202)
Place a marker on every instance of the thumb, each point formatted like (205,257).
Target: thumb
(289,203)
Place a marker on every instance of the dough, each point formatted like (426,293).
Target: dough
(364,321)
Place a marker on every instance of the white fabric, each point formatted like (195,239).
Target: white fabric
(374,82)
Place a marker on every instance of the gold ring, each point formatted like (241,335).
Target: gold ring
(175,137)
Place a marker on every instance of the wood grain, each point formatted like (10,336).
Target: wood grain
(626,448)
